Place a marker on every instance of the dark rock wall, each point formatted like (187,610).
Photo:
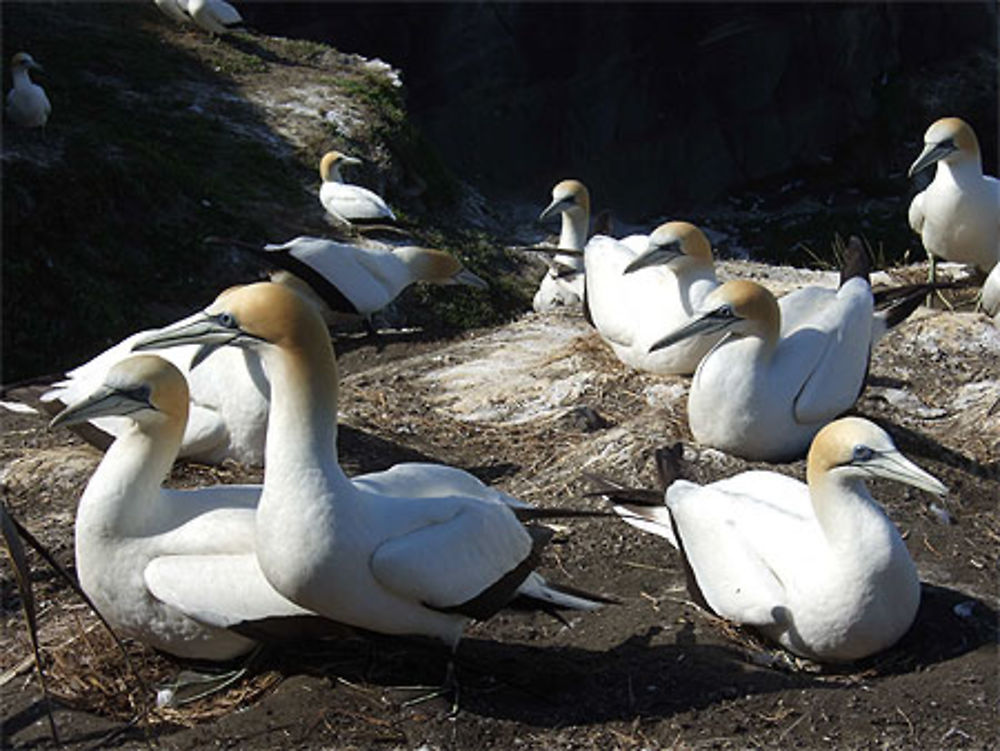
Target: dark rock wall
(667,104)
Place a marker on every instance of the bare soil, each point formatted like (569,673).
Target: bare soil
(652,671)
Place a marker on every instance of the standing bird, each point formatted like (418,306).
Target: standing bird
(27,104)
(214,16)
(636,295)
(816,567)
(172,568)
(958,215)
(387,563)
(344,202)
(563,282)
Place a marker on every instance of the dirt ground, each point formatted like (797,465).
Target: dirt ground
(652,671)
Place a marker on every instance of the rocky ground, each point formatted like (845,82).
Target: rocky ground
(530,407)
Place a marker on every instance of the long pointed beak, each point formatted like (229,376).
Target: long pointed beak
(707,323)
(659,255)
(344,159)
(200,328)
(932,153)
(104,402)
(894,466)
(552,209)
(469,279)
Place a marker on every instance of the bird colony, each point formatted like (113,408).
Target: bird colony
(424,549)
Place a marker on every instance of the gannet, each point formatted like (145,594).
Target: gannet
(27,104)
(347,203)
(214,16)
(229,395)
(172,568)
(958,215)
(361,280)
(762,395)
(641,288)
(175,9)
(386,563)
(563,282)
(817,567)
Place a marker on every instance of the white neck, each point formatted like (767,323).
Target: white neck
(574,229)
(333,175)
(21,78)
(851,520)
(962,171)
(123,497)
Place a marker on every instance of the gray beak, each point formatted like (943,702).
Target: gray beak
(894,466)
(659,255)
(104,402)
(932,153)
(469,279)
(554,208)
(207,330)
(708,323)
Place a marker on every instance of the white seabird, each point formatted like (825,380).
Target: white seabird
(361,280)
(27,104)
(641,288)
(387,563)
(817,567)
(563,282)
(229,394)
(214,16)
(958,215)
(763,395)
(345,202)
(174,569)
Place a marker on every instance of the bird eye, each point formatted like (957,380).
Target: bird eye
(863,453)
(725,311)
(226,319)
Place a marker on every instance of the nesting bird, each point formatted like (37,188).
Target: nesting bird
(563,282)
(388,563)
(27,104)
(345,202)
(172,568)
(816,567)
(763,395)
(227,416)
(958,215)
(635,295)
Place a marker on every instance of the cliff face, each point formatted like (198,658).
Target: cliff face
(659,106)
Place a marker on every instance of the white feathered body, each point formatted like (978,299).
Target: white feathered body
(346,201)
(170,568)
(760,556)
(229,399)
(958,215)
(768,404)
(633,311)
(27,103)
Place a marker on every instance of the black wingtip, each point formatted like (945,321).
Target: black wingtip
(856,261)
(668,463)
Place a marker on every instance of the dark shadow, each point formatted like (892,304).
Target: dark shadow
(915,444)
(887,382)
(552,686)
(362,452)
